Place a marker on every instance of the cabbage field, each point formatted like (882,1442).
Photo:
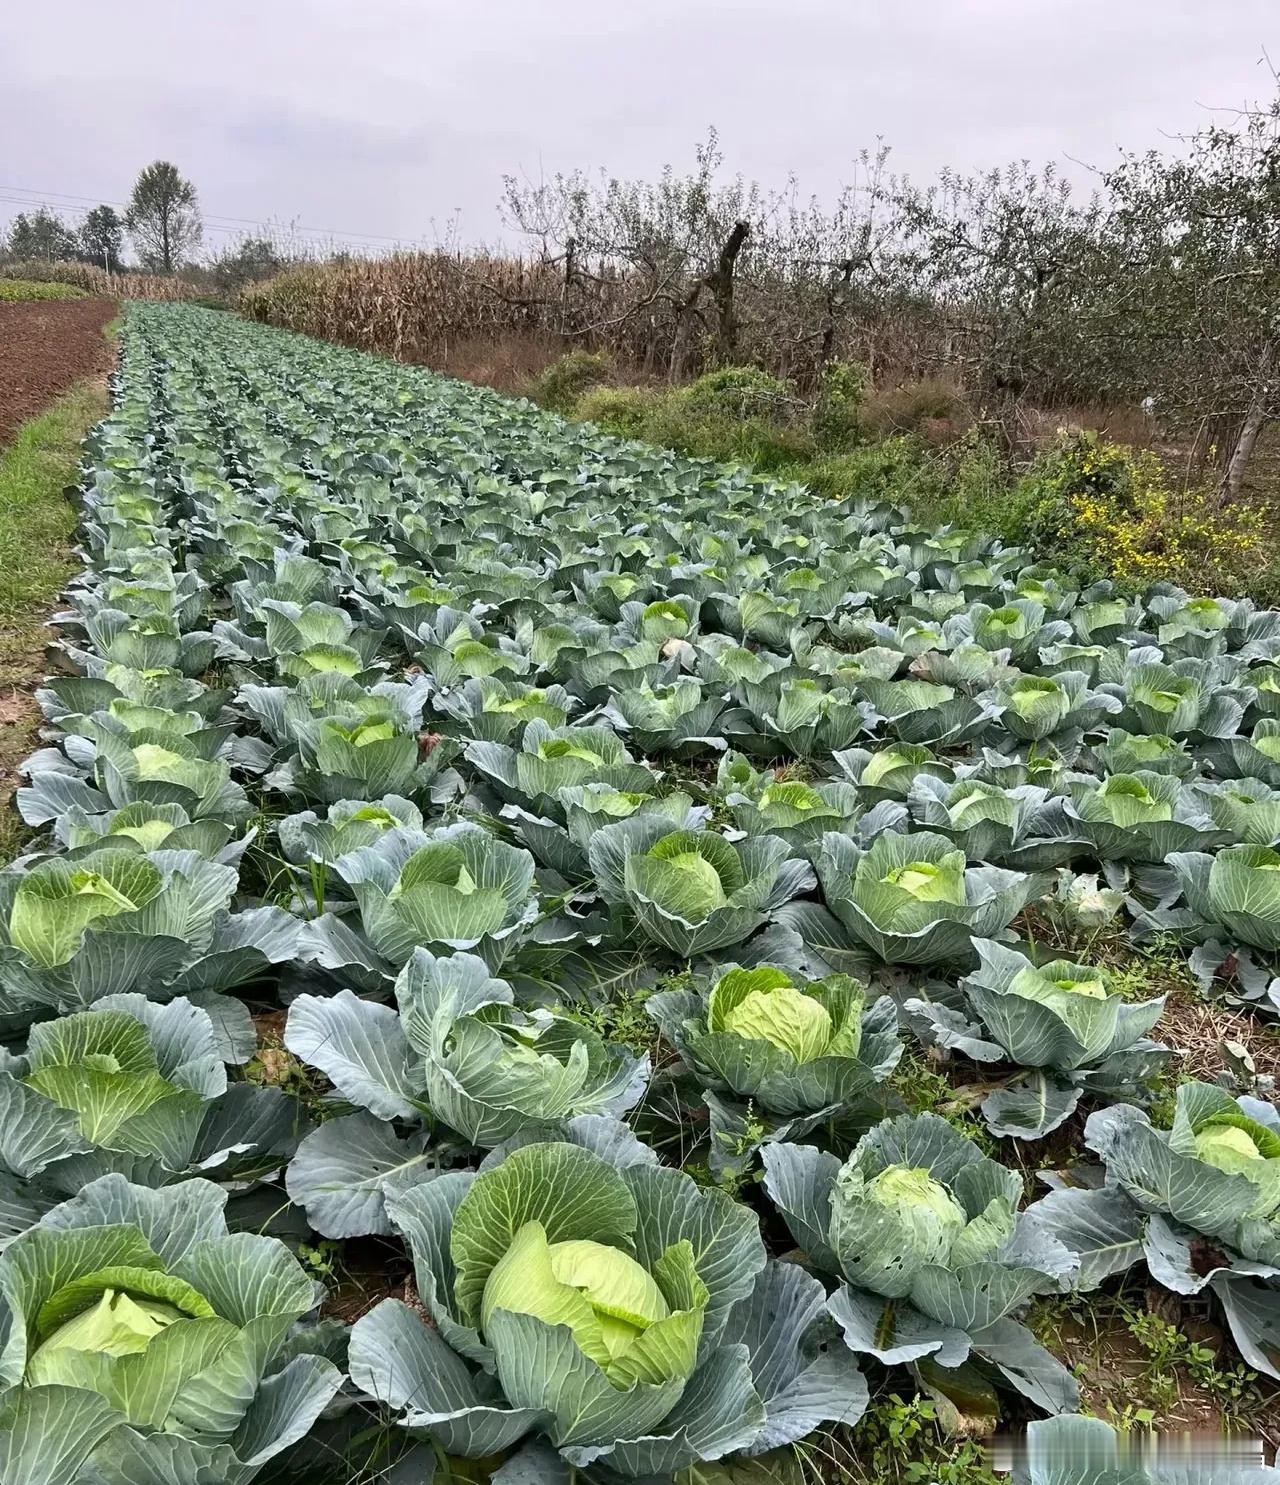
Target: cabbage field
(599,846)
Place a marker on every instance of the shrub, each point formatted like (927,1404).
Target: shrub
(890,469)
(626,411)
(967,484)
(836,408)
(914,407)
(760,441)
(741,392)
(1086,503)
(564,381)
(1110,508)
(700,421)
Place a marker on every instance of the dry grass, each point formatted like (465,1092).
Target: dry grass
(932,406)
(511,364)
(1201,1027)
(423,307)
(1121,424)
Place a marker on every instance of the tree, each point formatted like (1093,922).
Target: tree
(164,217)
(101,237)
(691,271)
(1006,260)
(41,234)
(1200,235)
(662,248)
(251,259)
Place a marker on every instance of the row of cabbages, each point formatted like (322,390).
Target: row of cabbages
(446,724)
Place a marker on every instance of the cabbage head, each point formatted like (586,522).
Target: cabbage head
(553,758)
(795,811)
(458,1054)
(1127,752)
(454,887)
(1017,826)
(1037,707)
(1233,895)
(147,1342)
(115,919)
(1215,1171)
(1059,1014)
(1247,809)
(795,1047)
(680,719)
(911,898)
(890,772)
(693,890)
(137,1088)
(1200,1201)
(1064,1021)
(1141,817)
(1255,755)
(586,808)
(581,1293)
(917,1213)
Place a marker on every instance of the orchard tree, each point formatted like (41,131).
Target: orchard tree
(1200,237)
(669,249)
(164,217)
(102,237)
(1007,260)
(41,234)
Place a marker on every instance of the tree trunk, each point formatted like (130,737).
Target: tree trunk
(1255,420)
(720,282)
(684,332)
(837,290)
(570,250)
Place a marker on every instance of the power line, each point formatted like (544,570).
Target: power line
(293,236)
(287,238)
(53,197)
(84,211)
(57,197)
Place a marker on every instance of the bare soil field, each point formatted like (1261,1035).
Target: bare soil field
(44,348)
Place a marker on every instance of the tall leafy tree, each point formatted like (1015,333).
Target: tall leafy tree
(164,217)
(102,237)
(41,234)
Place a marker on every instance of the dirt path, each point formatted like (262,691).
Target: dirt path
(44,348)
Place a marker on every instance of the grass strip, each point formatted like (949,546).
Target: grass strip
(37,522)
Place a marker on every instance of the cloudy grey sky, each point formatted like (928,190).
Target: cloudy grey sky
(383,119)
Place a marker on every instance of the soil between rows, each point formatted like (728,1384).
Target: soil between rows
(45,347)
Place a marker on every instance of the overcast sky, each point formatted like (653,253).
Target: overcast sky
(386,119)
